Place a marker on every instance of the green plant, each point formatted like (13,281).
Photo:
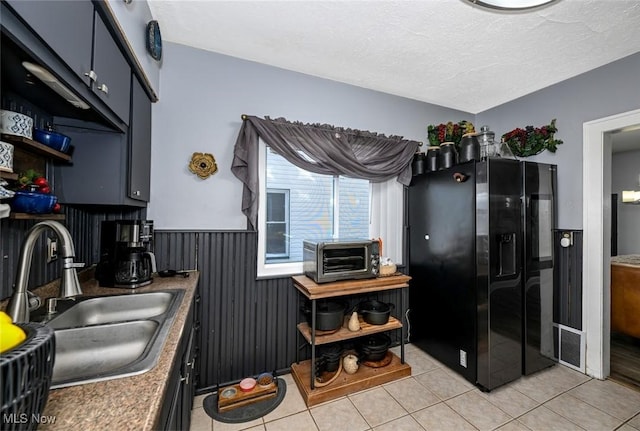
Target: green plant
(532,140)
(449,132)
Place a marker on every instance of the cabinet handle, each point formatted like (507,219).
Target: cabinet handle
(185,379)
(136,193)
(103,88)
(92,75)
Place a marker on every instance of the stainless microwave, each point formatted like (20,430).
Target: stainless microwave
(335,259)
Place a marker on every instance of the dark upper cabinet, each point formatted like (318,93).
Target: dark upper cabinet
(66,26)
(110,158)
(111,71)
(140,143)
(77,34)
(109,167)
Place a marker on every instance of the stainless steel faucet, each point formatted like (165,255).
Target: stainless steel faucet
(69,285)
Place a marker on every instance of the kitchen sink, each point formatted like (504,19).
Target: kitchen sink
(84,355)
(116,308)
(108,337)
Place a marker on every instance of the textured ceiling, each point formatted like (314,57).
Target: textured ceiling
(447,52)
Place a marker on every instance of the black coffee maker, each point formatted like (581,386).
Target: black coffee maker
(126,256)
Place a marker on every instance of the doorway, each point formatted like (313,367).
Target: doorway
(596,174)
(625,245)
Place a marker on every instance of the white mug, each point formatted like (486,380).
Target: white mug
(6,157)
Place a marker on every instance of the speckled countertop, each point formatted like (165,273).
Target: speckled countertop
(628,260)
(128,403)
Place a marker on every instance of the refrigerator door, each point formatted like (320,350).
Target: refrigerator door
(442,317)
(498,255)
(539,216)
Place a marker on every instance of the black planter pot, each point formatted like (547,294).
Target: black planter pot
(418,164)
(374,347)
(431,160)
(448,155)
(329,314)
(469,148)
(375,312)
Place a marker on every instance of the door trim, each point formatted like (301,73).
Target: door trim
(596,183)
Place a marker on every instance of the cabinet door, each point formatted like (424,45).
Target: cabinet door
(188,372)
(98,173)
(113,82)
(66,26)
(140,144)
(174,414)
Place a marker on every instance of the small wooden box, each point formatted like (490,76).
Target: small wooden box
(241,398)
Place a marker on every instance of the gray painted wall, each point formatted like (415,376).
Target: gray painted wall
(608,90)
(203,96)
(205,93)
(625,175)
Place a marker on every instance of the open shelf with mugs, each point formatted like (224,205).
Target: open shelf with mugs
(391,367)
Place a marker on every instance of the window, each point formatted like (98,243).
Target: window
(296,205)
(277,224)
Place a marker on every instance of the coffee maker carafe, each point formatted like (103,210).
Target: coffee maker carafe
(126,256)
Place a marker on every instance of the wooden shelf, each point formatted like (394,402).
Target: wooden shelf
(364,378)
(313,290)
(35,147)
(8,175)
(345,334)
(25,216)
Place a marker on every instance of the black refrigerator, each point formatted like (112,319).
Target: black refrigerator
(480,249)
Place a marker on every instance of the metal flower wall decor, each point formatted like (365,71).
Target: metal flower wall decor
(203,165)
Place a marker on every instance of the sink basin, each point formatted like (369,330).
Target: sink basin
(108,337)
(86,354)
(117,308)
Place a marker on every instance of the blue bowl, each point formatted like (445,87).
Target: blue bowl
(57,141)
(33,202)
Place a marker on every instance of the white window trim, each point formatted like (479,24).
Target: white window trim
(287,222)
(386,221)
(273,269)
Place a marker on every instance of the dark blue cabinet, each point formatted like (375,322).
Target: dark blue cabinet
(65,26)
(109,167)
(140,144)
(111,70)
(75,31)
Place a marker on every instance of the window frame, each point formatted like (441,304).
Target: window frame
(286,221)
(386,205)
(268,270)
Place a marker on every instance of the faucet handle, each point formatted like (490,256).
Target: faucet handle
(52,303)
(34,300)
(69,263)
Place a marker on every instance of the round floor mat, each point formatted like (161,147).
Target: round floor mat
(246,413)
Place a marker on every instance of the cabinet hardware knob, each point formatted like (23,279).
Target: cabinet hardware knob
(136,193)
(92,75)
(103,88)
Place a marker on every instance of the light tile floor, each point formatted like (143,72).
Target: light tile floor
(435,398)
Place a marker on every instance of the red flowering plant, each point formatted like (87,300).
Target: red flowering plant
(532,140)
(449,132)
